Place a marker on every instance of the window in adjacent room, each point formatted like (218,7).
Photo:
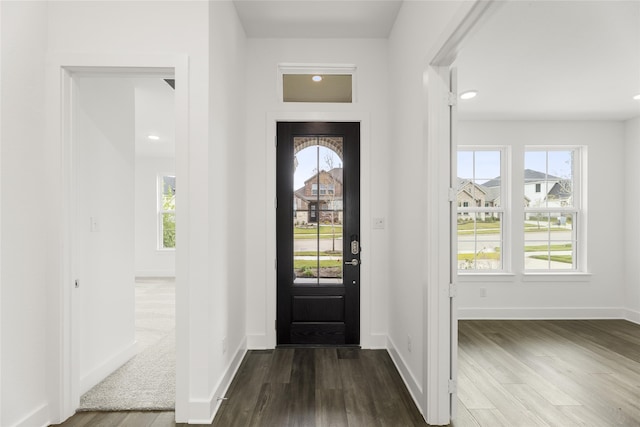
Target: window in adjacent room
(481,213)
(166,212)
(553,209)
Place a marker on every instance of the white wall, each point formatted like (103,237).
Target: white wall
(105,142)
(263,109)
(632,225)
(226,202)
(602,292)
(418,33)
(151,261)
(25,197)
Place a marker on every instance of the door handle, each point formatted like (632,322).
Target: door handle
(353,262)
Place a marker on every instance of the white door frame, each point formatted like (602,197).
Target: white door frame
(63,378)
(367,339)
(440,270)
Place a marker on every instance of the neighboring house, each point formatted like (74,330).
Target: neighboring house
(320,198)
(538,188)
(488,194)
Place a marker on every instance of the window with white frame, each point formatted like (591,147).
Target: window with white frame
(480,199)
(553,208)
(166,212)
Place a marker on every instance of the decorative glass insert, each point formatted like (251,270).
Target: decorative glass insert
(318,211)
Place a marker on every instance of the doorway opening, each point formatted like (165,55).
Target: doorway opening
(123,245)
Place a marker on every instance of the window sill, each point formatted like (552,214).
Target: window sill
(166,250)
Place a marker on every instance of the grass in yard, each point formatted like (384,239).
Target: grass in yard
(314,253)
(303,263)
(324,229)
(538,248)
(471,257)
(568,259)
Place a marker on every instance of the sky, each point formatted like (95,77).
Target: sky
(485,165)
(312,159)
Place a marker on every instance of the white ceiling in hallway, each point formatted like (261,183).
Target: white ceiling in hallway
(318,18)
(551,60)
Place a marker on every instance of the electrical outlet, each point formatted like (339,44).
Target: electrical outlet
(224,345)
(483,292)
(409,346)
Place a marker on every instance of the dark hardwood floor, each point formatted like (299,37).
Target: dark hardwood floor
(318,387)
(511,373)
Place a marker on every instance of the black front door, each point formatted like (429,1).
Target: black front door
(318,233)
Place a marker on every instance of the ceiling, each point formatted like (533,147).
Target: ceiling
(154,115)
(318,18)
(551,60)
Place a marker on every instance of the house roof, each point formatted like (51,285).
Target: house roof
(559,191)
(336,173)
(530,175)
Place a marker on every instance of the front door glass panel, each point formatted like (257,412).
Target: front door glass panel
(318,214)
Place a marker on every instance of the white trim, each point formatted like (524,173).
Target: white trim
(63,337)
(89,380)
(632,315)
(409,380)
(437,315)
(202,411)
(366,339)
(155,273)
(37,417)
(258,342)
(542,313)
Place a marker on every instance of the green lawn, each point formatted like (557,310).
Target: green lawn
(471,257)
(314,253)
(538,248)
(324,229)
(302,263)
(568,259)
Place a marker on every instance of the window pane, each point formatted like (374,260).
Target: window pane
(479,241)
(549,242)
(318,214)
(168,230)
(548,178)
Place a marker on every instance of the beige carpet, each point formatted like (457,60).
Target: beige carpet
(147,381)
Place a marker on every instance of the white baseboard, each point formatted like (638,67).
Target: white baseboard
(155,273)
(90,380)
(37,417)
(374,342)
(202,411)
(407,376)
(548,313)
(632,315)
(258,342)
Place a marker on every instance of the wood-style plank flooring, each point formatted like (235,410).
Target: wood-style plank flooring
(549,373)
(511,373)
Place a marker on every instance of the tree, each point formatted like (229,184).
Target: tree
(168,219)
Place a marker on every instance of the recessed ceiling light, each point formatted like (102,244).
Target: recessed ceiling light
(637,97)
(470,94)
(153,137)
(316,78)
